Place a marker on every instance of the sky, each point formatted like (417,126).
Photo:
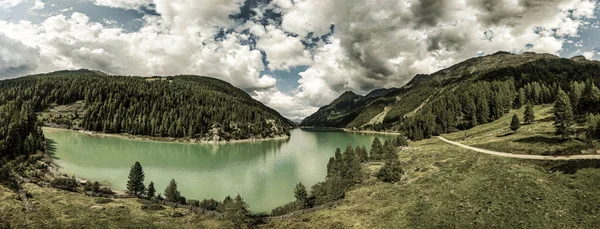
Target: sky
(293,55)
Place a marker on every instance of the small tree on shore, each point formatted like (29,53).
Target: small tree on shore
(151,190)
(171,192)
(515,124)
(135,184)
(302,195)
(529,115)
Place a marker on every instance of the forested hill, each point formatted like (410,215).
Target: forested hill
(475,91)
(192,107)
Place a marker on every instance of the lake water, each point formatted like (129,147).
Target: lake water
(264,173)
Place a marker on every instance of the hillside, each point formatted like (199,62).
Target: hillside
(396,109)
(192,107)
(445,186)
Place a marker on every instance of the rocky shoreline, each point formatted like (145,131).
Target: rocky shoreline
(166,139)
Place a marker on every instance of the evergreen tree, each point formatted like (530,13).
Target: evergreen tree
(171,192)
(593,127)
(401,141)
(376,149)
(151,190)
(135,184)
(563,114)
(302,195)
(362,154)
(353,173)
(515,124)
(520,99)
(575,95)
(529,115)
(236,211)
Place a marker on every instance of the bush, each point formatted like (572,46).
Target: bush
(209,204)
(68,184)
(103,200)
(193,203)
(105,190)
(391,172)
(286,208)
(152,207)
(144,201)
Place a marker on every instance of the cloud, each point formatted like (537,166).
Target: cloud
(38,5)
(159,48)
(283,51)
(124,4)
(16,59)
(6,4)
(374,44)
(385,43)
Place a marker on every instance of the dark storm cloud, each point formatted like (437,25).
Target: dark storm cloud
(429,12)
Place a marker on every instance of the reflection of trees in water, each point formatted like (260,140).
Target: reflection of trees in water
(51,148)
(109,152)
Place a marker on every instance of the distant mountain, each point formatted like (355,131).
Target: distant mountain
(388,108)
(186,106)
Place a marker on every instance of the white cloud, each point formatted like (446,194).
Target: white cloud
(38,5)
(76,42)
(282,51)
(6,4)
(125,4)
(376,43)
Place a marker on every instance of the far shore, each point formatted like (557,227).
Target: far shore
(349,130)
(161,139)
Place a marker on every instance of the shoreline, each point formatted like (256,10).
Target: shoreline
(93,134)
(349,130)
(370,131)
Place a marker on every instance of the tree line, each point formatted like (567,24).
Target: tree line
(181,106)
(472,104)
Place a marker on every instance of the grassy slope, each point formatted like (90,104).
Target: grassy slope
(54,208)
(536,138)
(446,186)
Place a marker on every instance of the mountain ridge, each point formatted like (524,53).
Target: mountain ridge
(396,104)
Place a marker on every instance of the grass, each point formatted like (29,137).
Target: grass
(445,186)
(537,138)
(54,208)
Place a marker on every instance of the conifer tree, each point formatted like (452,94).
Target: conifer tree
(151,190)
(515,124)
(376,149)
(302,195)
(362,154)
(171,192)
(563,114)
(352,170)
(401,141)
(135,184)
(520,99)
(239,213)
(529,115)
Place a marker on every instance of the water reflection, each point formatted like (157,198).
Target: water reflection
(263,172)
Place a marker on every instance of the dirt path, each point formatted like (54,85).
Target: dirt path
(523,156)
